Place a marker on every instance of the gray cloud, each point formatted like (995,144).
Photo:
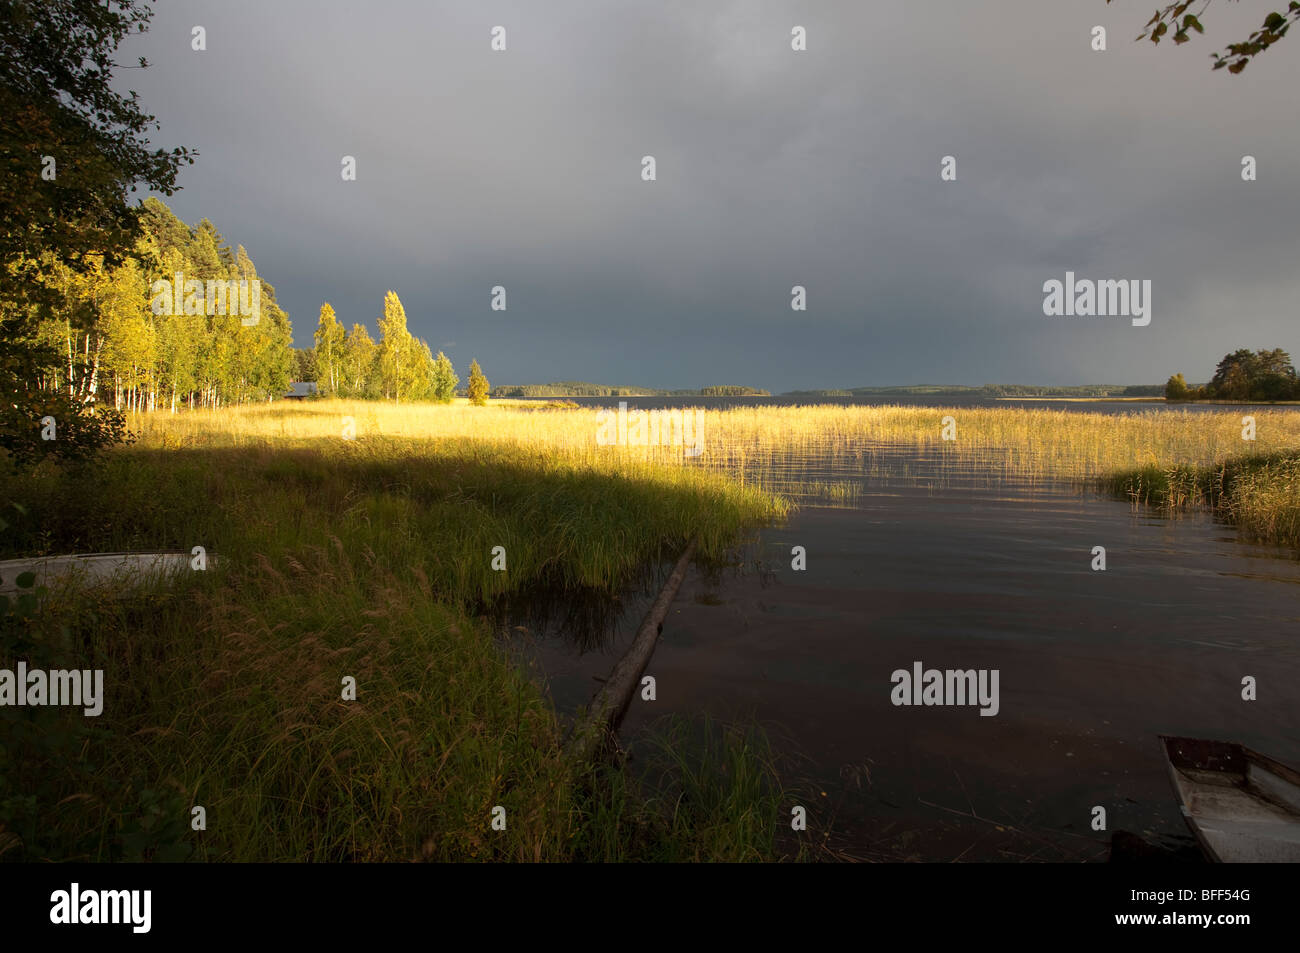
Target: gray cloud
(775,168)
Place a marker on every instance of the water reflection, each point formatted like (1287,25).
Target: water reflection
(931,556)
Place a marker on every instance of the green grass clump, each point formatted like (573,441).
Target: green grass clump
(1260,493)
(702,792)
(367,559)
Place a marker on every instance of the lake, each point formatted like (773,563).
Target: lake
(953,565)
(1098,406)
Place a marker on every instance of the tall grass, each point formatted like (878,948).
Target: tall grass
(705,791)
(372,559)
(1258,492)
(801,452)
(824,454)
(368,559)
(1031,441)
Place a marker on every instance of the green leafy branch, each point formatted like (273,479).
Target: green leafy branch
(1235,56)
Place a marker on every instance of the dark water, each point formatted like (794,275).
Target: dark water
(960,571)
(1099,406)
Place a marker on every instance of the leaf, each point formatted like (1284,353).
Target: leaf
(1195,24)
(1238,66)
(1273,21)
(1181,37)
(26,580)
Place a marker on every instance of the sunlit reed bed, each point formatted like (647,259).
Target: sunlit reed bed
(357,541)
(1049,442)
(812,454)
(1260,492)
(370,559)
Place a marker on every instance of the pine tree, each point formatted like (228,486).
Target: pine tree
(478,385)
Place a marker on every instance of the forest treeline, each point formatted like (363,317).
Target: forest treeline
(584,389)
(121,347)
(1263,375)
(399,366)
(163,329)
(990,390)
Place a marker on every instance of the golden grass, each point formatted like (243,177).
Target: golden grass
(365,557)
(371,559)
(790,449)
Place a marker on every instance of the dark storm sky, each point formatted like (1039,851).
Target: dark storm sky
(775,168)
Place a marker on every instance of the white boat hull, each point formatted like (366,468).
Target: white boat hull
(94,570)
(1243,806)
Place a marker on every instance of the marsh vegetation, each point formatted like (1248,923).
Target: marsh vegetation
(372,558)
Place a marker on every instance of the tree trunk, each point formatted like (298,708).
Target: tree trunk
(94,368)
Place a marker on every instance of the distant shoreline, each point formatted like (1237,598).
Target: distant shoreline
(1236,403)
(1093,400)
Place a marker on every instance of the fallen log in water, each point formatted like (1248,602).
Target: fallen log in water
(607,708)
